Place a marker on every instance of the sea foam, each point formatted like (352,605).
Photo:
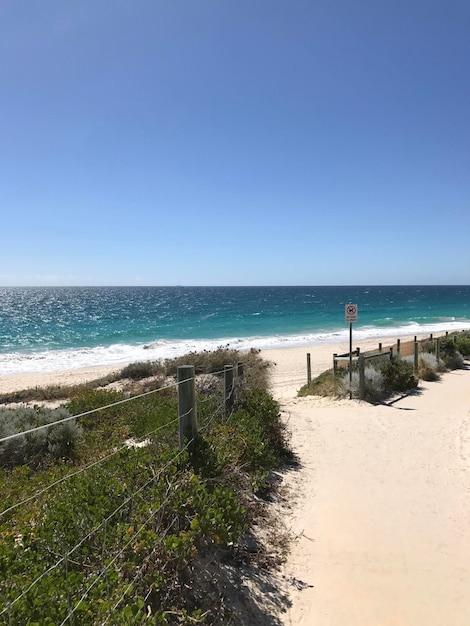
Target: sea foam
(121,354)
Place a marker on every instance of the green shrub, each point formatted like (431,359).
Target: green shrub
(322,385)
(373,384)
(455,361)
(90,399)
(141,369)
(398,376)
(450,354)
(40,447)
(429,366)
(463,346)
(256,370)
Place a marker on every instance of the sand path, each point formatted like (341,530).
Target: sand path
(381,506)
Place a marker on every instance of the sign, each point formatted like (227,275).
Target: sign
(350,313)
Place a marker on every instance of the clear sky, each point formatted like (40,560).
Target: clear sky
(234,142)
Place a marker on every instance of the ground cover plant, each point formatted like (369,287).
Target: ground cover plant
(119,526)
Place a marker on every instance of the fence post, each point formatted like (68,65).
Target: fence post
(391,353)
(362,377)
(187,418)
(416,347)
(398,347)
(240,371)
(380,347)
(309,369)
(334,363)
(438,350)
(228,384)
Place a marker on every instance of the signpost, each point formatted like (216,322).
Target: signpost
(350,314)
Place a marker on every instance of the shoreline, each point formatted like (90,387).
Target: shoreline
(290,370)
(117,355)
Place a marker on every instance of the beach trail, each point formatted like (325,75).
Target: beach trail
(380,505)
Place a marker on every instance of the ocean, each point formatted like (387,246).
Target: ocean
(53,328)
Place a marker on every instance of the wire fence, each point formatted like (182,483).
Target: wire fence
(134,486)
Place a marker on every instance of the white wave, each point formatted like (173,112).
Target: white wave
(121,354)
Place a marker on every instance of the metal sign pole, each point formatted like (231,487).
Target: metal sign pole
(350,312)
(350,360)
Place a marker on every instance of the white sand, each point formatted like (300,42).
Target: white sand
(16,382)
(381,502)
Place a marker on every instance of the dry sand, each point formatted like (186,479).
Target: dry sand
(381,502)
(16,382)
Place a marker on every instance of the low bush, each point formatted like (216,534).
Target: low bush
(323,385)
(463,345)
(455,361)
(452,357)
(141,369)
(373,383)
(39,447)
(429,367)
(255,369)
(398,376)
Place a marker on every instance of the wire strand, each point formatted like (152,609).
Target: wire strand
(74,417)
(94,530)
(84,469)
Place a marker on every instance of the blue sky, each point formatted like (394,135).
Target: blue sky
(234,142)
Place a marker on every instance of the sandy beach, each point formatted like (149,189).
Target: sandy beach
(379,505)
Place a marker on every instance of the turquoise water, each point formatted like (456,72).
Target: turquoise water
(49,328)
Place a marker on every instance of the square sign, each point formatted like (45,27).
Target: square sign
(350,312)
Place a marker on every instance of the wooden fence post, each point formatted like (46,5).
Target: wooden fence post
(380,347)
(438,350)
(187,418)
(391,353)
(398,347)
(362,377)
(309,369)
(334,364)
(228,384)
(240,370)
(416,348)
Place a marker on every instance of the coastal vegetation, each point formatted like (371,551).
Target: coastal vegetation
(385,377)
(106,520)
